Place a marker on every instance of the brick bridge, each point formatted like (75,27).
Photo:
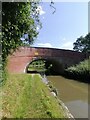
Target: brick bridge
(19,60)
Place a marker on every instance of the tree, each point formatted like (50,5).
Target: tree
(82,44)
(18,18)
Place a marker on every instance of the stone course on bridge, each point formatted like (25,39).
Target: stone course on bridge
(19,60)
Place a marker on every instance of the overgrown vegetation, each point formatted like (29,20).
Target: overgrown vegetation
(26,96)
(80,71)
(18,19)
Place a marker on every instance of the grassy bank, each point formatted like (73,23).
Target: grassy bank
(80,71)
(26,96)
(0,68)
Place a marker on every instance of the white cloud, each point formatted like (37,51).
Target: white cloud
(40,10)
(37,28)
(22,38)
(44,45)
(67,45)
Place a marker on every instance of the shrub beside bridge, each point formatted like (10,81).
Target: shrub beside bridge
(80,71)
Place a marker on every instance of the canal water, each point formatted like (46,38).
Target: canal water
(73,93)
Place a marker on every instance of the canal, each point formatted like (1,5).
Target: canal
(73,93)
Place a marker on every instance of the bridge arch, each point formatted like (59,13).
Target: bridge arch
(56,68)
(20,59)
(31,61)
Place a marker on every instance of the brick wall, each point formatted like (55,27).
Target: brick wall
(18,61)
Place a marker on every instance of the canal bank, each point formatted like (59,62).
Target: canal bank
(54,92)
(73,93)
(26,96)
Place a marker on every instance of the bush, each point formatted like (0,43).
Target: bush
(80,71)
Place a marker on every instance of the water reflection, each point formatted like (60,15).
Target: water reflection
(73,93)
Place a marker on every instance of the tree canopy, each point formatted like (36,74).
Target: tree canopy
(18,18)
(82,44)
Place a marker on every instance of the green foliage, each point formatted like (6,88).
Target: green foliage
(3,73)
(18,18)
(38,66)
(0,69)
(82,44)
(81,68)
(80,71)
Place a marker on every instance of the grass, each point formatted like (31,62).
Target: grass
(38,69)
(26,96)
(0,85)
(0,68)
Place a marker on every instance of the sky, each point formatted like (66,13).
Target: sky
(61,29)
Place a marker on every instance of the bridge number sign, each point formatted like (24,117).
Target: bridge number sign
(36,53)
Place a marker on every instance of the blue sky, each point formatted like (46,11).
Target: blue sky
(61,29)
